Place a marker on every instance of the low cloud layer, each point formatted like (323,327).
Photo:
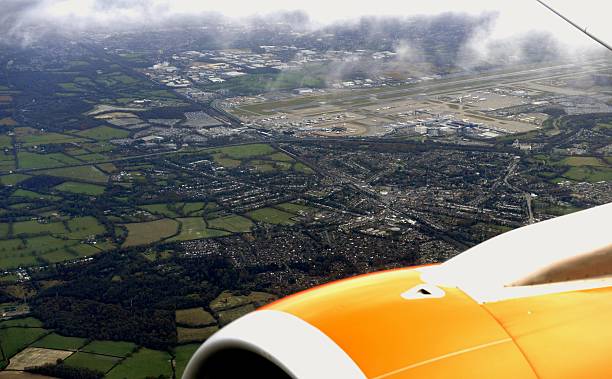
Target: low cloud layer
(22,21)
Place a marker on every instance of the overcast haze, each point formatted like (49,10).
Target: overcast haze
(514,18)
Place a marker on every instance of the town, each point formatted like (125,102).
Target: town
(173,183)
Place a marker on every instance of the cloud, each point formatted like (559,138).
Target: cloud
(20,20)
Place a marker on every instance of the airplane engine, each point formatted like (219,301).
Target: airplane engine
(535,302)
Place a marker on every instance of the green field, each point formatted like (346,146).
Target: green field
(29,160)
(487,231)
(84,227)
(590,174)
(33,195)
(265,166)
(114,348)
(273,162)
(5,141)
(107,167)
(228,300)
(182,355)
(28,322)
(176,209)
(35,227)
(47,139)
(104,133)
(233,223)
(554,209)
(195,228)
(190,208)
(300,167)
(8,278)
(98,147)
(84,250)
(34,247)
(13,340)
(246,151)
(13,179)
(578,168)
(7,166)
(272,216)
(80,188)
(143,364)
(96,362)
(194,317)
(7,158)
(17,252)
(4,230)
(143,233)
(93,158)
(583,161)
(227,316)
(168,210)
(253,84)
(228,306)
(58,256)
(293,208)
(116,79)
(155,255)
(75,151)
(226,162)
(73,87)
(280,157)
(186,335)
(78,227)
(8,121)
(56,341)
(21,206)
(206,210)
(84,173)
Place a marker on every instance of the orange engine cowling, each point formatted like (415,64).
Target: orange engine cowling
(459,319)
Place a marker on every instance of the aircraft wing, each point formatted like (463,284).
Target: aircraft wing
(535,302)
(584,30)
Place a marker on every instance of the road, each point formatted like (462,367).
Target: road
(528,199)
(342,179)
(526,195)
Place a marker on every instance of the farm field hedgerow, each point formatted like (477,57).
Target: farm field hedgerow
(14,340)
(114,348)
(143,364)
(272,216)
(143,233)
(195,228)
(102,363)
(233,223)
(80,188)
(56,341)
